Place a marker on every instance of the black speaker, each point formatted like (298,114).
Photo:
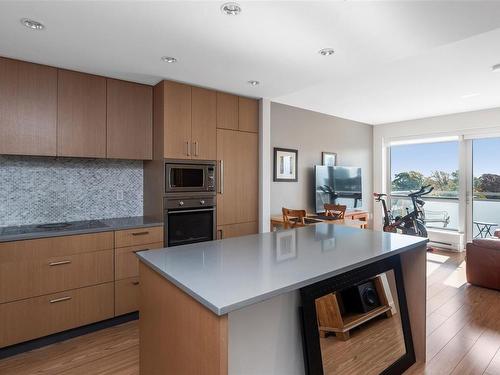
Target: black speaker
(360,298)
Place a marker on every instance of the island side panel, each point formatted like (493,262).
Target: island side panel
(265,338)
(414,268)
(178,335)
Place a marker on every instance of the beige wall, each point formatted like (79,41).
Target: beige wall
(311,133)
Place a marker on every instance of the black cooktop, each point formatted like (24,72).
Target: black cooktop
(52,227)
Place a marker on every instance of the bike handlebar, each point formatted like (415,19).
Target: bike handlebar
(422,191)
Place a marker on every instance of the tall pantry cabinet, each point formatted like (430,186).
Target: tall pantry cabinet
(197,123)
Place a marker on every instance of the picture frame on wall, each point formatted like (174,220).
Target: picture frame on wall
(285,165)
(329,159)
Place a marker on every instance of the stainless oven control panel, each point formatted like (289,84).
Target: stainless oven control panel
(191,202)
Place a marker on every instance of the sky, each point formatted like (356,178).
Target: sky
(443,156)
(425,158)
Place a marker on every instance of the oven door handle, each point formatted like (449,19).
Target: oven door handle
(195,210)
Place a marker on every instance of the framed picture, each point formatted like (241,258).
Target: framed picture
(329,159)
(285,165)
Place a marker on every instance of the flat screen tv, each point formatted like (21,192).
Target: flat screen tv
(338,185)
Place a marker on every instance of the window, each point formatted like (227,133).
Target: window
(486,186)
(417,165)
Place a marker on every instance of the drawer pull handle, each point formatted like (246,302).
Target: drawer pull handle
(136,251)
(140,233)
(59,263)
(59,299)
(135,282)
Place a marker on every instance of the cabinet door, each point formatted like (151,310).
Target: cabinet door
(248,115)
(248,177)
(203,123)
(227,111)
(129,120)
(237,201)
(28,108)
(177,131)
(237,230)
(81,115)
(228,184)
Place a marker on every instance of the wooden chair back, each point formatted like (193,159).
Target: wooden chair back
(337,210)
(293,218)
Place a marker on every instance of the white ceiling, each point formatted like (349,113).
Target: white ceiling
(393,60)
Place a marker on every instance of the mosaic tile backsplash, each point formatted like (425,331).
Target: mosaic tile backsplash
(35,190)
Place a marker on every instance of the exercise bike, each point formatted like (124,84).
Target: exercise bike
(413,223)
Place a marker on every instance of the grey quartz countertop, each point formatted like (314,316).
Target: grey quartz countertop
(29,232)
(230,274)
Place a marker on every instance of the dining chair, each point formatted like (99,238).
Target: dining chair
(336,210)
(293,218)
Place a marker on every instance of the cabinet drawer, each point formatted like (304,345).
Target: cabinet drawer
(126,262)
(126,295)
(55,246)
(139,236)
(36,317)
(31,278)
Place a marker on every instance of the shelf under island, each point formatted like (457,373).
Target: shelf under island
(246,305)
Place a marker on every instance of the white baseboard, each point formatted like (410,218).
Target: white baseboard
(447,239)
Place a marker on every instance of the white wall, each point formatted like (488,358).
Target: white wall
(485,122)
(311,133)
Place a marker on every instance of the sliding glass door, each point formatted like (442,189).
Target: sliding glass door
(485,186)
(414,165)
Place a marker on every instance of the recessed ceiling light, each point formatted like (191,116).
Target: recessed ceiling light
(231,9)
(471,95)
(169,59)
(326,51)
(253,83)
(496,68)
(32,24)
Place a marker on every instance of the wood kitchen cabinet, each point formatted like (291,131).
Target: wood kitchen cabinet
(189,122)
(127,243)
(81,115)
(237,199)
(28,108)
(237,230)
(177,120)
(203,123)
(47,111)
(129,127)
(227,111)
(248,115)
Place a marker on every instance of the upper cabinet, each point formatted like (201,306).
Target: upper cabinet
(81,119)
(28,108)
(227,111)
(203,123)
(189,122)
(248,115)
(177,120)
(129,120)
(47,111)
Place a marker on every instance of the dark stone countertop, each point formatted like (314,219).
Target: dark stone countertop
(29,232)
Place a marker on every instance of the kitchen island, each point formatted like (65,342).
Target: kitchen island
(232,306)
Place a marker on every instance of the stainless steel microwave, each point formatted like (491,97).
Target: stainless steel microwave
(190,176)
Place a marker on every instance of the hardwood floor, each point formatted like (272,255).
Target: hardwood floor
(110,351)
(463,334)
(463,321)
